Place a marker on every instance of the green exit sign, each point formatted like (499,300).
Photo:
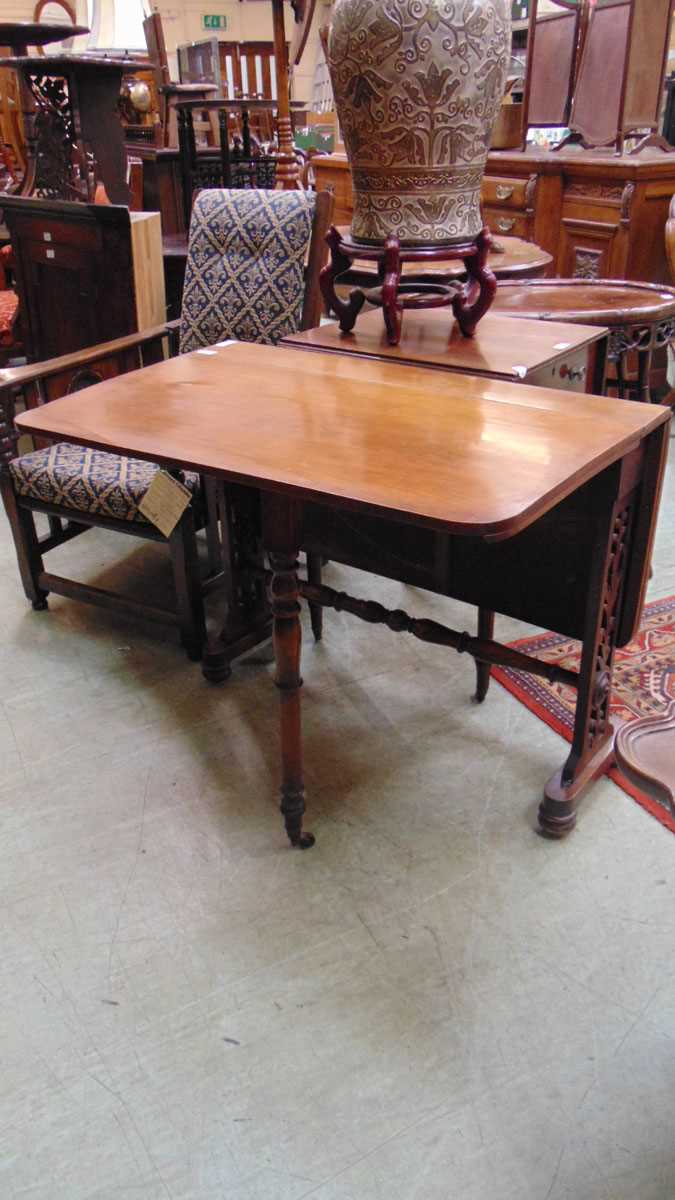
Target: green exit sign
(214,21)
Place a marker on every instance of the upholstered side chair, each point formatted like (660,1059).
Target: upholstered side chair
(253,267)
(244,280)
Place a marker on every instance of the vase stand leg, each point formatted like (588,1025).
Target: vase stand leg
(391,306)
(473,301)
(345,310)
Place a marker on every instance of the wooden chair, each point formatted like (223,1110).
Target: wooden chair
(169,93)
(237,233)
(234,240)
(77,489)
(235,163)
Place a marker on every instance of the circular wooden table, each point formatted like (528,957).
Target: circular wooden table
(640,317)
(510,258)
(645,752)
(18,35)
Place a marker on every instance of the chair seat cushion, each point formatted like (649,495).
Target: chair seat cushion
(9,305)
(91,481)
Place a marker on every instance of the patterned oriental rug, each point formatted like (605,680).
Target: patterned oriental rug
(644,684)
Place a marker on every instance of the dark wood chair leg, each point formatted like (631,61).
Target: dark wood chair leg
(486,630)
(185,564)
(212,528)
(26,545)
(314,568)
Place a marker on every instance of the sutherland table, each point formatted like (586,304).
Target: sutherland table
(524,501)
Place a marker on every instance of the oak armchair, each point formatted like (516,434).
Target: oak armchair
(77,489)
(260,293)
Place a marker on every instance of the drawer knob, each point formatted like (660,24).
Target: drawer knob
(574,374)
(504,192)
(505,226)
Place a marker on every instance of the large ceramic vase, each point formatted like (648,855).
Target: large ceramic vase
(418,85)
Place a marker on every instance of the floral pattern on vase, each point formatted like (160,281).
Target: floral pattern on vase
(418,85)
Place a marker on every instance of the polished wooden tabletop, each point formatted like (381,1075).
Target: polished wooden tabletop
(598,302)
(469,455)
(432,337)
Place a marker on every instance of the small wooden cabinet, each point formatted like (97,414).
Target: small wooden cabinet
(599,215)
(86,273)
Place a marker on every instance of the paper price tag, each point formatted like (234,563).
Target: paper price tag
(165,502)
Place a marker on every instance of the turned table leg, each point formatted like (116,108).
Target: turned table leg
(486,630)
(287,638)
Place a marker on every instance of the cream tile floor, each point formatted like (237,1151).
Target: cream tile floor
(433,1003)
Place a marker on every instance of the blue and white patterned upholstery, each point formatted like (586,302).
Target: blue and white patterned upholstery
(245,268)
(90,481)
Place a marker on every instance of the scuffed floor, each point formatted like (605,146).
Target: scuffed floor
(432,1004)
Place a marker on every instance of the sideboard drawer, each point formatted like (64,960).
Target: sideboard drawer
(515,224)
(504,192)
(569,374)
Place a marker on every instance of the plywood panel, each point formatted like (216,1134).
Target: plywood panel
(148,266)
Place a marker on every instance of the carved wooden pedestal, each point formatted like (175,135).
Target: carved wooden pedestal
(469,301)
(73,131)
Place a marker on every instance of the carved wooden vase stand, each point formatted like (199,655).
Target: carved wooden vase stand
(469,301)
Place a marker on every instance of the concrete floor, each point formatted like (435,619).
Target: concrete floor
(432,1004)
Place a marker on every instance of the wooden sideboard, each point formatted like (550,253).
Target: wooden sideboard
(601,216)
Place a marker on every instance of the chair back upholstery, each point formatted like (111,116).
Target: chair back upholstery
(245,274)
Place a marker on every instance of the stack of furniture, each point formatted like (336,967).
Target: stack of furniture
(169,93)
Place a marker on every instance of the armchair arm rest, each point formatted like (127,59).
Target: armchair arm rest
(9,434)
(21,377)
